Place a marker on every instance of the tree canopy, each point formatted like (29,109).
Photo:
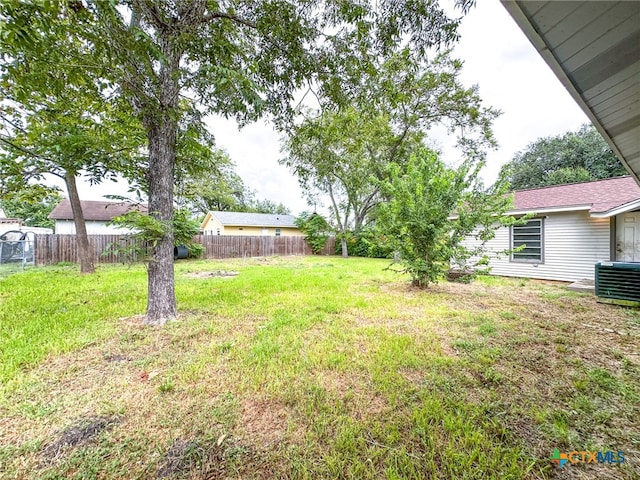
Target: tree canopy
(568,158)
(33,204)
(343,153)
(213,184)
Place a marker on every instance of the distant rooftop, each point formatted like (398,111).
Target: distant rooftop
(599,196)
(254,219)
(95,210)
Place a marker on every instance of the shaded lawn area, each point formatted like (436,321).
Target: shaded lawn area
(312,367)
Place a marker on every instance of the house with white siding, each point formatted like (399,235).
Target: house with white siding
(97,215)
(572,228)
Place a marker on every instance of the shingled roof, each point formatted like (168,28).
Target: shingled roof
(253,219)
(600,198)
(95,210)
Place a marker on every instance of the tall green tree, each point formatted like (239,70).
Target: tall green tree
(568,158)
(239,59)
(341,153)
(61,138)
(269,206)
(209,181)
(437,215)
(337,155)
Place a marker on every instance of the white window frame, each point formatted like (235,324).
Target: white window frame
(278,232)
(516,238)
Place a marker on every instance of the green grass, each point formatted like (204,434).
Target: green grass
(312,367)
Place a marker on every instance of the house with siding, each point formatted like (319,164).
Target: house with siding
(242,223)
(8,224)
(572,228)
(97,215)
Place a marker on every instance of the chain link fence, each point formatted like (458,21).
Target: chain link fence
(16,251)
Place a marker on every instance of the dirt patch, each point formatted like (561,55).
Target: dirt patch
(82,432)
(216,273)
(264,421)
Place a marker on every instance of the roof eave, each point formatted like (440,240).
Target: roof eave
(546,52)
(242,225)
(572,208)
(627,207)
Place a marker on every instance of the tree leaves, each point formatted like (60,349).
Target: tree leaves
(569,158)
(436,215)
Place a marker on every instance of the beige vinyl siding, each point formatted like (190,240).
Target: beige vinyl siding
(270,231)
(573,243)
(212,225)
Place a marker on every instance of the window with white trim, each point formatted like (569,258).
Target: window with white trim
(278,232)
(529,236)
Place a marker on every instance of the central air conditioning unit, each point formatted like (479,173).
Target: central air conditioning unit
(618,282)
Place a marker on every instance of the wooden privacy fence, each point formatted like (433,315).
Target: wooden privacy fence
(52,249)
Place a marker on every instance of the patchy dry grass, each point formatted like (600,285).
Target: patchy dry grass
(312,368)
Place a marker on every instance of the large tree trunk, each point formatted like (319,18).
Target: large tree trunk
(85,254)
(343,245)
(161,303)
(162,130)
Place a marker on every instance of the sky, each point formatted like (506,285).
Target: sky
(511,77)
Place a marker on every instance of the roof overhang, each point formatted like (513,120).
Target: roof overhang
(627,207)
(540,211)
(593,47)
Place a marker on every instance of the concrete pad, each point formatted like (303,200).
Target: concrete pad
(583,286)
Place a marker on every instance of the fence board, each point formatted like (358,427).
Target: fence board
(52,249)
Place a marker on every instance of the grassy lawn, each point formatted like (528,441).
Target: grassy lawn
(315,368)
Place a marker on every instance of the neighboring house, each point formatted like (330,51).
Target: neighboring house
(96,215)
(239,223)
(7,224)
(573,227)
(16,224)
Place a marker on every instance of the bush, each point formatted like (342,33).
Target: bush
(433,210)
(147,231)
(369,243)
(316,230)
